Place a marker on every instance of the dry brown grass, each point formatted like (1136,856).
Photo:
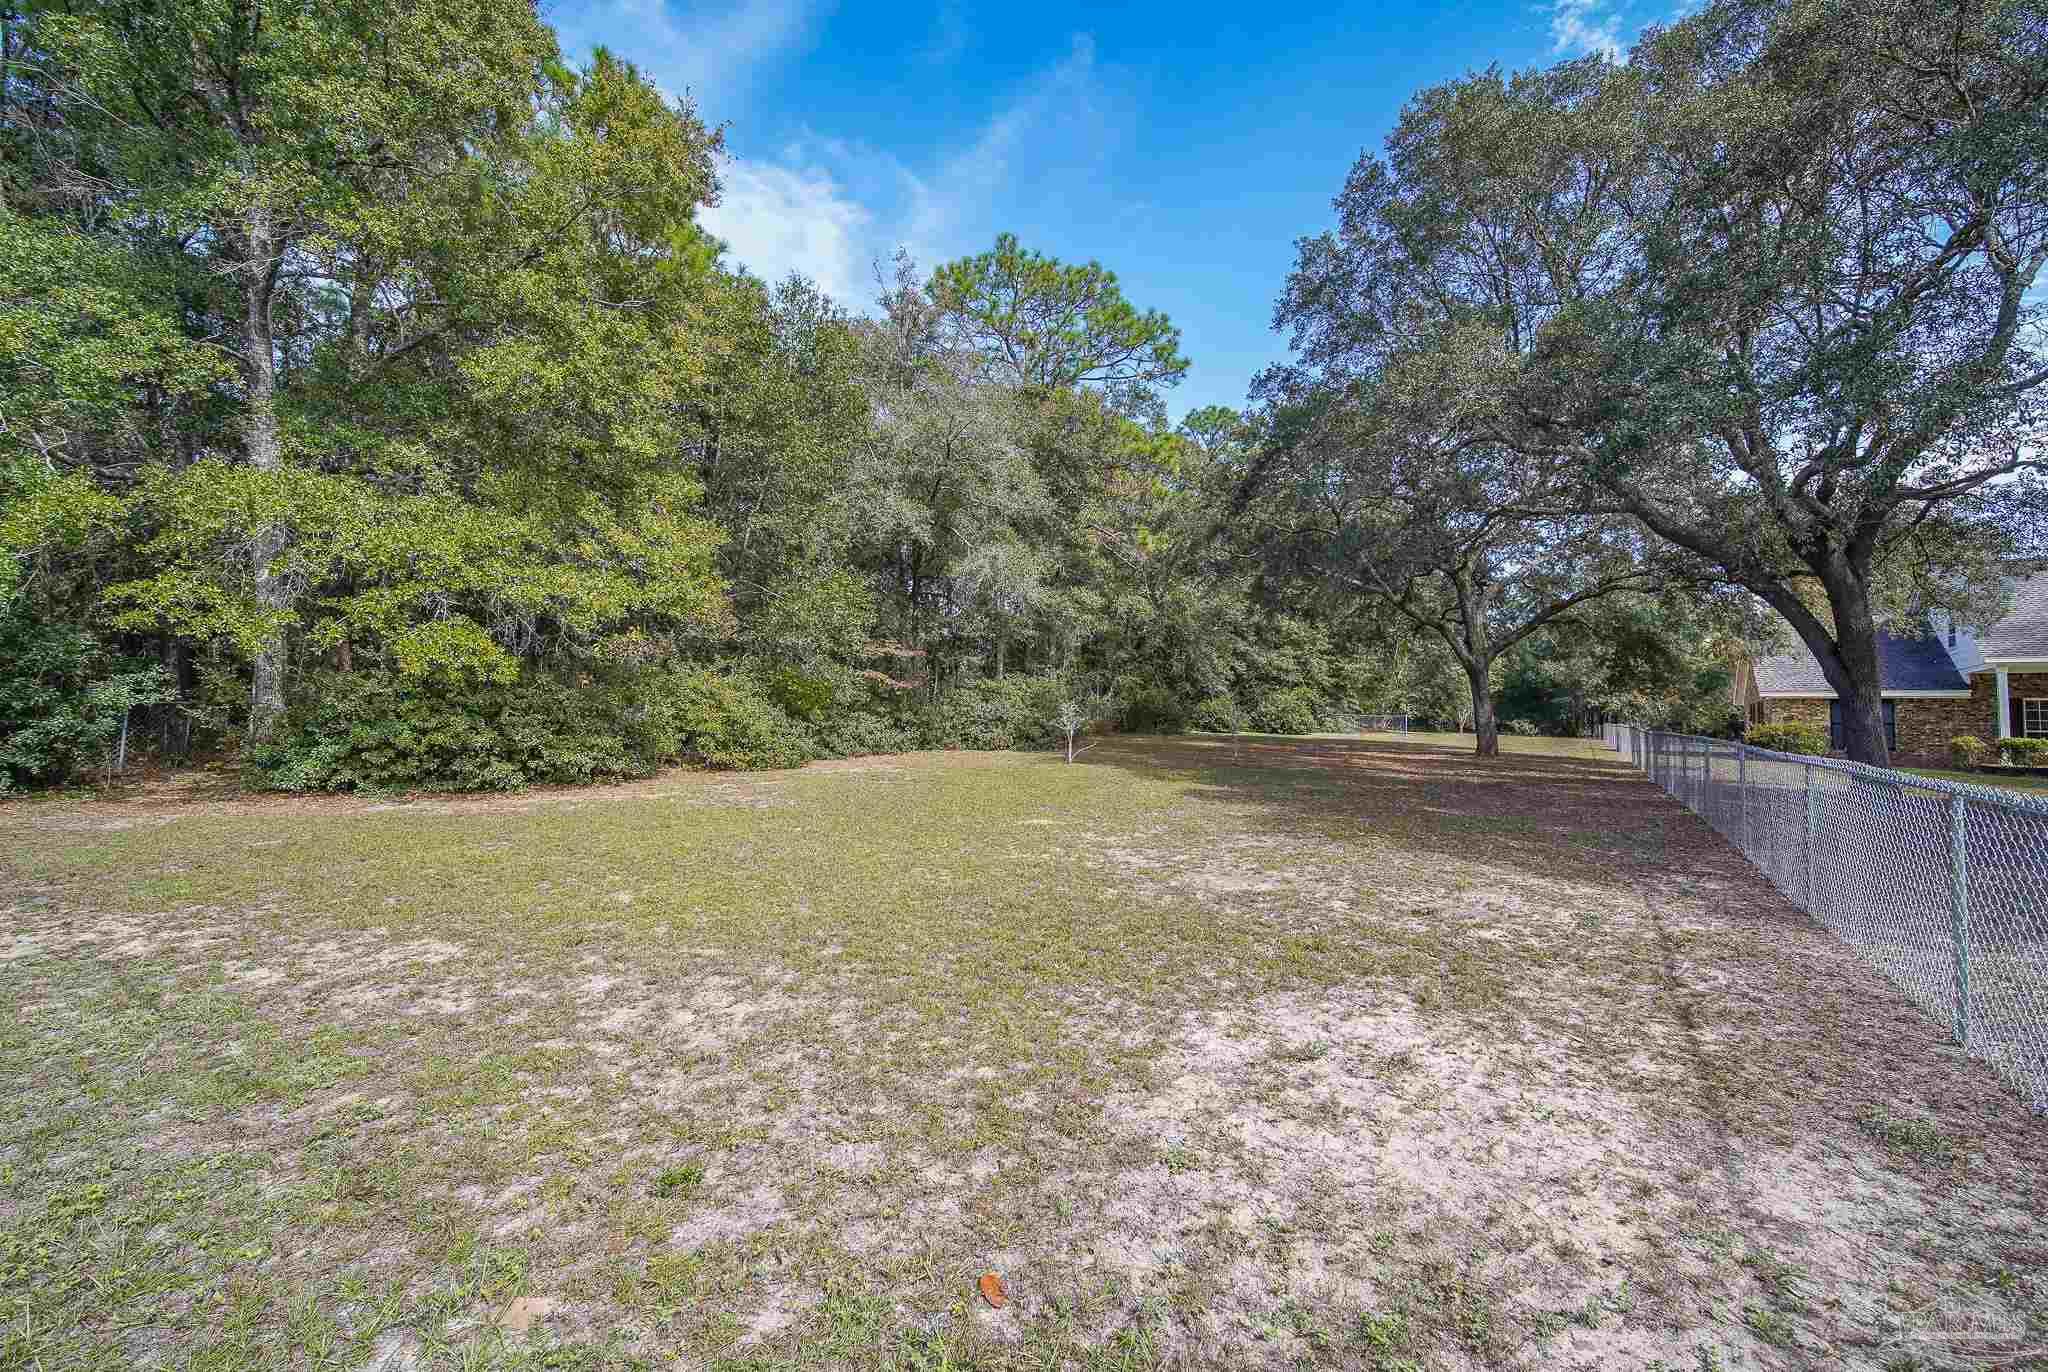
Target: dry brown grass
(1222,1051)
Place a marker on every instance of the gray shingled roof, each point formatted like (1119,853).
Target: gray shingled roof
(2024,632)
(1905,663)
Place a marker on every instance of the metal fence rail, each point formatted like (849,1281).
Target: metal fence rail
(1944,888)
(1382,724)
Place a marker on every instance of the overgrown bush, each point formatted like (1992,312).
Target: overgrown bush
(1152,710)
(1294,710)
(1001,712)
(368,731)
(63,701)
(2024,752)
(1520,728)
(1967,751)
(726,720)
(1789,738)
(374,731)
(801,694)
(1216,714)
(853,733)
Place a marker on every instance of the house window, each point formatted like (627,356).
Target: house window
(1838,734)
(2034,717)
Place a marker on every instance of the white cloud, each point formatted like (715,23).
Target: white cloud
(833,208)
(778,219)
(1060,116)
(710,54)
(1580,27)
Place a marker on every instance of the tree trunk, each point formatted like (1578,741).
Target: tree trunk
(1853,669)
(265,453)
(1484,725)
(1861,684)
(1002,646)
(362,299)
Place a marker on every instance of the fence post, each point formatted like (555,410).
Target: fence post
(1742,793)
(1812,827)
(1959,912)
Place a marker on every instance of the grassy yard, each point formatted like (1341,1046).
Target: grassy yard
(1223,1052)
(2015,782)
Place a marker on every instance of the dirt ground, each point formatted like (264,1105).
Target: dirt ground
(1222,1052)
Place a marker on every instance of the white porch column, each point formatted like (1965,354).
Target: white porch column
(2003,695)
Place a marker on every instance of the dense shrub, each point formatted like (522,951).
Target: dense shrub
(1294,710)
(1003,712)
(726,720)
(368,731)
(1152,710)
(1967,751)
(1520,728)
(2025,752)
(62,701)
(801,694)
(853,733)
(1217,714)
(1789,738)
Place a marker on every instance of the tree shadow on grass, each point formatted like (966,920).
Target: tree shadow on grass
(1555,816)
(1794,1004)
(1775,1026)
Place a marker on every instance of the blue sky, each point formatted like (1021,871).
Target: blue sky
(1184,147)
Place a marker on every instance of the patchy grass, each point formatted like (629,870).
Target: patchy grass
(1230,1051)
(1920,1137)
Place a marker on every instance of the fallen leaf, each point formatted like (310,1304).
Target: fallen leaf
(524,1312)
(993,1291)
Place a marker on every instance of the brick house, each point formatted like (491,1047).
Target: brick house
(1941,682)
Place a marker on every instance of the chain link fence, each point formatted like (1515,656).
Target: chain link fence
(1943,887)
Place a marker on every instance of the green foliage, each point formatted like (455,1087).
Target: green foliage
(999,712)
(1152,709)
(1657,659)
(83,324)
(1625,274)
(1967,751)
(510,477)
(803,695)
(867,716)
(1293,710)
(1521,728)
(1217,714)
(1060,326)
(365,731)
(2024,752)
(681,1180)
(63,700)
(377,732)
(727,720)
(1802,739)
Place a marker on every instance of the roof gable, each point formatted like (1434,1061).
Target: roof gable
(2023,632)
(1906,662)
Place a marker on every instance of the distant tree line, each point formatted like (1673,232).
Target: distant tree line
(375,410)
